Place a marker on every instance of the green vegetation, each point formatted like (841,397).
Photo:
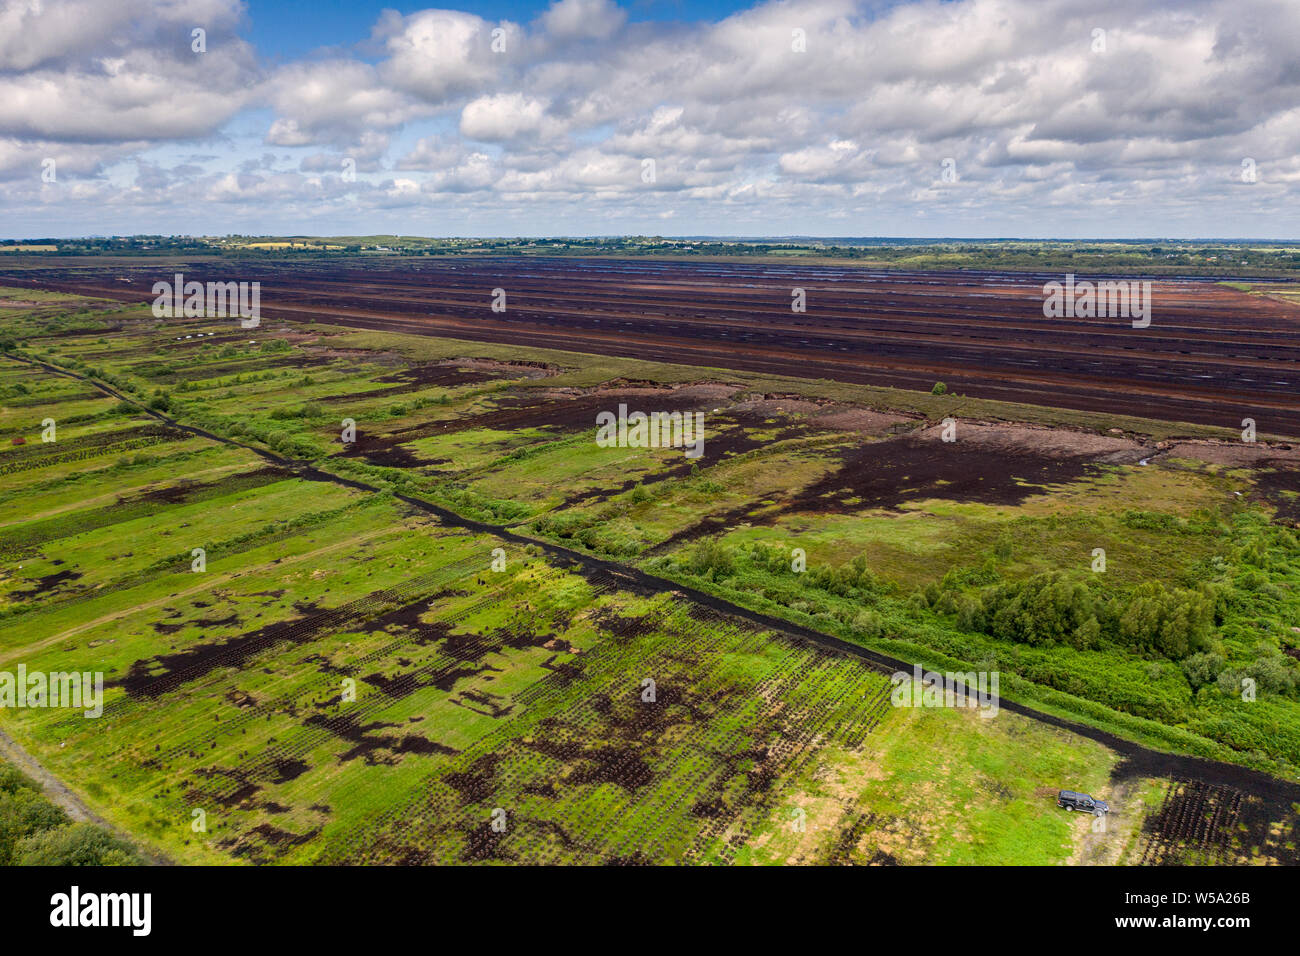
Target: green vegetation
(35,832)
(350,678)
(1168,257)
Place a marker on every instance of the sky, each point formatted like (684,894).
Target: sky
(963,118)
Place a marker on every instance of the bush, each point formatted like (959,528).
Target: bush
(79,844)
(309,410)
(711,556)
(939,389)
(24,813)
(869,624)
(852,580)
(1149,520)
(1203,669)
(1272,673)
(12,780)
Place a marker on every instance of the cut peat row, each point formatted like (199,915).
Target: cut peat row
(1211,355)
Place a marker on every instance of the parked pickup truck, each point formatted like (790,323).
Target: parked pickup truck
(1081,801)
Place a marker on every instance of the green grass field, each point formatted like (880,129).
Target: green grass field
(303,664)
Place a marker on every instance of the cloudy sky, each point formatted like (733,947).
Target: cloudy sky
(1033,118)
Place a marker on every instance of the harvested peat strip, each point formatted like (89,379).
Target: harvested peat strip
(1212,355)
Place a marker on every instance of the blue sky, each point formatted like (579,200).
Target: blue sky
(292,28)
(1034,118)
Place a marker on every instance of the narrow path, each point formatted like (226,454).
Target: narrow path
(1139,760)
(59,794)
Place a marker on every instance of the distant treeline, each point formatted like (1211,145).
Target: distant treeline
(1213,258)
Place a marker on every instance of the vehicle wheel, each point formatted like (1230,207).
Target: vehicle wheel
(1068,809)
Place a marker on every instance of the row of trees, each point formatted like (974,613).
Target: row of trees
(1042,610)
(1051,608)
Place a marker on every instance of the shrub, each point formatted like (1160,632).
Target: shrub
(1203,669)
(869,624)
(24,813)
(711,556)
(1149,520)
(309,410)
(78,844)
(12,780)
(852,580)
(1272,673)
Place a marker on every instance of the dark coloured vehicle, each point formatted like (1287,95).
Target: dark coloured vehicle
(1081,801)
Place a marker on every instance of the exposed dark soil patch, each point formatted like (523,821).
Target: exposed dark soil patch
(368,744)
(265,842)
(408,617)
(558,412)
(562,412)
(188,491)
(155,676)
(1280,487)
(46,585)
(483,843)
(1200,822)
(622,766)
(385,451)
(244,790)
(415,379)
(889,473)
(477,782)
(720,444)
(622,626)
(163,627)
(441,374)
(287,769)
(489,705)
(886,474)
(635,858)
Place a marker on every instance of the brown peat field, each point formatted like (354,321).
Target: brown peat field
(366,583)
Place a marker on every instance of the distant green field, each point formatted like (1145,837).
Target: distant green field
(1149,257)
